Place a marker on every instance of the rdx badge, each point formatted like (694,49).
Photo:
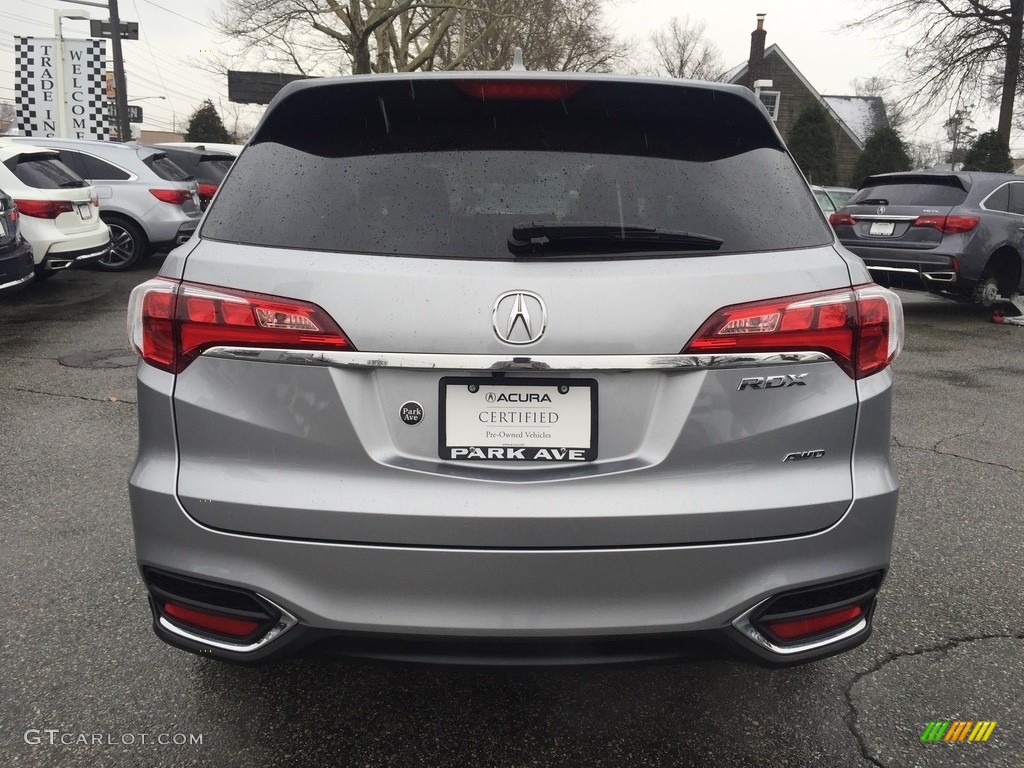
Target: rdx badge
(773,382)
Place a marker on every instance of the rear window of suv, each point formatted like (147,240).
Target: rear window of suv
(940,191)
(44,171)
(165,168)
(430,168)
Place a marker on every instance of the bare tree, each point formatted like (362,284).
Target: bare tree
(683,51)
(961,48)
(363,36)
(895,105)
(555,35)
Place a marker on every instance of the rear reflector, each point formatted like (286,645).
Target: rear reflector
(519,90)
(44,209)
(860,328)
(172,322)
(211,622)
(815,625)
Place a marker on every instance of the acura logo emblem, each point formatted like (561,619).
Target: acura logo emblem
(882,209)
(519,317)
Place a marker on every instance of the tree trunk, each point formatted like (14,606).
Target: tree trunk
(361,56)
(1011,74)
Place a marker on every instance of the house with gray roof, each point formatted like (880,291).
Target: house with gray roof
(855,118)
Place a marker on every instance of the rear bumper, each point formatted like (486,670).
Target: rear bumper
(78,258)
(16,267)
(571,606)
(179,236)
(906,268)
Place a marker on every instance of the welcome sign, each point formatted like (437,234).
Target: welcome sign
(36,87)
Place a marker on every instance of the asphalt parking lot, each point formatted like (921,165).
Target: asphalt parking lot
(85,682)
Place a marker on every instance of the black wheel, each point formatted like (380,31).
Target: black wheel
(127,245)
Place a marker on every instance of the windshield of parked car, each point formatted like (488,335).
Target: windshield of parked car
(441,173)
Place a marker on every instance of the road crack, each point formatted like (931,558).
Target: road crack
(110,399)
(955,455)
(941,648)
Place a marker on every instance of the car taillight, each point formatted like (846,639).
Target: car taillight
(172,196)
(44,209)
(207,191)
(948,225)
(171,322)
(95,201)
(841,219)
(860,328)
(519,90)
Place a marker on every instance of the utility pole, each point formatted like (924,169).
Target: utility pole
(124,129)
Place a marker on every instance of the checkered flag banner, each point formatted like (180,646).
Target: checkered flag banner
(35,86)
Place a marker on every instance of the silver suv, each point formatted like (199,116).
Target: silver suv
(149,203)
(515,368)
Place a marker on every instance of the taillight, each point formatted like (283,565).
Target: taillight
(207,191)
(841,219)
(95,201)
(948,225)
(519,90)
(860,328)
(44,209)
(171,322)
(172,196)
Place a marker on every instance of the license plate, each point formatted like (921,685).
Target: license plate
(536,420)
(882,228)
(85,210)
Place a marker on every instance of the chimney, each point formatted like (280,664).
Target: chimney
(756,59)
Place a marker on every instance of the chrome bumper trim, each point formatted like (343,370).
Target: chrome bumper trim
(491,363)
(743,624)
(938,277)
(286,622)
(20,281)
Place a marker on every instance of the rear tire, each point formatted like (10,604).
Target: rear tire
(128,244)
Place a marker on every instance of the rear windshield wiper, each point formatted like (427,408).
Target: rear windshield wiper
(871,201)
(582,238)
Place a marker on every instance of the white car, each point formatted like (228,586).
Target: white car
(59,210)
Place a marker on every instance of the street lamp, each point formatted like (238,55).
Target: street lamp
(63,129)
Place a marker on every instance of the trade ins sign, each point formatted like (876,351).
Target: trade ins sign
(36,87)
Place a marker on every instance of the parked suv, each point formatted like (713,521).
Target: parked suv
(959,235)
(149,202)
(208,167)
(57,210)
(492,366)
(16,266)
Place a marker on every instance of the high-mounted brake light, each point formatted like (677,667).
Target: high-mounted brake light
(44,209)
(519,90)
(171,323)
(948,225)
(860,328)
(172,196)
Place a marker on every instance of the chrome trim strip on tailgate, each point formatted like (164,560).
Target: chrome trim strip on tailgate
(447,362)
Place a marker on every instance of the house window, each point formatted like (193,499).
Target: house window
(770,99)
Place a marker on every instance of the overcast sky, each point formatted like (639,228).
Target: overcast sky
(175,32)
